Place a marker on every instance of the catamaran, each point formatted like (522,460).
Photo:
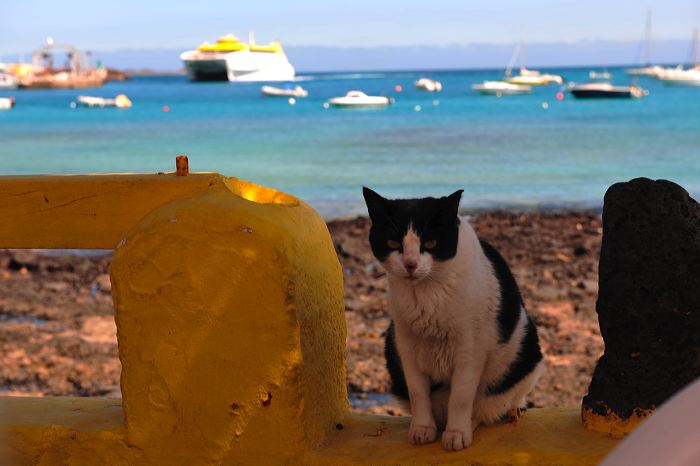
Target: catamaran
(233,60)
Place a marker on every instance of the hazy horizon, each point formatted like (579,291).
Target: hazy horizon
(402,58)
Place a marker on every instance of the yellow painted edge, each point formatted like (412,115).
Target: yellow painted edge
(611,423)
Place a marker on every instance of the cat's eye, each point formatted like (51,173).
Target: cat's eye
(430,244)
(393,244)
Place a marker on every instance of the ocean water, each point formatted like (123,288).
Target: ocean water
(506,152)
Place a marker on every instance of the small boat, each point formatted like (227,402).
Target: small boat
(599,75)
(6,103)
(681,77)
(296,91)
(533,78)
(358,99)
(7,79)
(120,101)
(605,90)
(499,88)
(652,71)
(428,85)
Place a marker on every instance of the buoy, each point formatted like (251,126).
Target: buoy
(73,105)
(326,105)
(398,88)
(292,101)
(436,102)
(166,109)
(560,95)
(545,105)
(417,108)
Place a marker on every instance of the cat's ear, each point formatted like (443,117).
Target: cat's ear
(376,204)
(452,202)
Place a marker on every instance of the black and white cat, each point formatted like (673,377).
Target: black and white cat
(460,347)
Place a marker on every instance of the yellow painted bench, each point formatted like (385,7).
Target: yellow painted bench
(230,320)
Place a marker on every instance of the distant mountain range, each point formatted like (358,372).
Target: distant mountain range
(419,57)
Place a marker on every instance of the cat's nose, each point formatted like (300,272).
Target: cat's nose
(410,267)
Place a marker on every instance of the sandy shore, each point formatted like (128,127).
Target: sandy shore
(57,333)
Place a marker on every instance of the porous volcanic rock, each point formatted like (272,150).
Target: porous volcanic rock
(649,298)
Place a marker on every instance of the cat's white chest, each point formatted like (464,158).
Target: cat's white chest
(435,359)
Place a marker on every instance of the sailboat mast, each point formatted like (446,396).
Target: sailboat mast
(694,48)
(647,41)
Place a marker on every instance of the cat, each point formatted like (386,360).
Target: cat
(461,347)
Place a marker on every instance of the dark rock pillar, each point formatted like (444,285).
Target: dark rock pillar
(648,302)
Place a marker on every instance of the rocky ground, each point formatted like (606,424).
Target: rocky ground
(57,333)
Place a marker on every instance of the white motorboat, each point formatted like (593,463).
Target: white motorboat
(233,60)
(605,90)
(428,85)
(358,99)
(499,88)
(6,103)
(296,91)
(120,101)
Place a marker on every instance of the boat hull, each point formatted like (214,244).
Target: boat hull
(498,89)
(201,67)
(258,67)
(601,94)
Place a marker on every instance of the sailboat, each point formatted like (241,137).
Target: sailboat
(682,77)
(528,77)
(648,69)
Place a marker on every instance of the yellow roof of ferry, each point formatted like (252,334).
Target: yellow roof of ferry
(231,43)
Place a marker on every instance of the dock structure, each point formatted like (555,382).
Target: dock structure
(230,322)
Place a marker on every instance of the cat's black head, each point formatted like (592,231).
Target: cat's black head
(408,235)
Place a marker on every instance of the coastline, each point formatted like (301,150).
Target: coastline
(58,335)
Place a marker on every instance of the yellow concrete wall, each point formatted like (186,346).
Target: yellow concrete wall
(225,293)
(85,211)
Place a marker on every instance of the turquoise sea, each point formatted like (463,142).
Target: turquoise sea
(506,152)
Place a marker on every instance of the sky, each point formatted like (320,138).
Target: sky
(152,24)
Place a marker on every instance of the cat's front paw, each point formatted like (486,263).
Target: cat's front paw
(420,435)
(453,440)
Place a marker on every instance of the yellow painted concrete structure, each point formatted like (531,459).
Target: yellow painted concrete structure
(230,320)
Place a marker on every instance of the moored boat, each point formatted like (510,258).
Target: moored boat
(358,99)
(605,90)
(6,103)
(681,77)
(120,101)
(428,85)
(7,79)
(79,73)
(272,91)
(499,88)
(599,75)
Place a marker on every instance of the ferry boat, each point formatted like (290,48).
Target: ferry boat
(233,60)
